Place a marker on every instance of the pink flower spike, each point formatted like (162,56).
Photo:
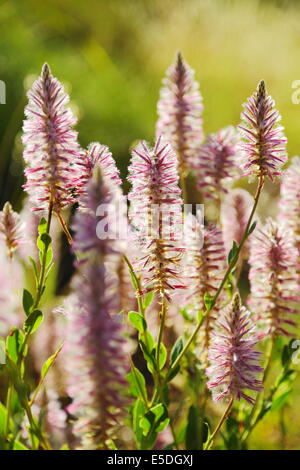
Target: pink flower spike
(156,215)
(96,155)
(274,280)
(264,147)
(97,357)
(51,149)
(11,229)
(217,162)
(233,361)
(179,109)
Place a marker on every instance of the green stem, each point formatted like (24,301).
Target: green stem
(222,420)
(8,411)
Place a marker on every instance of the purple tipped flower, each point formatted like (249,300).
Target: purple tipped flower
(96,155)
(97,362)
(11,229)
(179,110)
(155,214)
(235,212)
(234,362)
(51,148)
(273,278)
(217,162)
(264,147)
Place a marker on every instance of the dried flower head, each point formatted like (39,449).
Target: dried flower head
(179,110)
(97,361)
(50,145)
(11,229)
(273,278)
(233,361)
(155,214)
(264,147)
(217,162)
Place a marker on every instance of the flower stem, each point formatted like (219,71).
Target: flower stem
(222,420)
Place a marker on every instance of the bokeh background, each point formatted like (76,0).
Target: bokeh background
(111,56)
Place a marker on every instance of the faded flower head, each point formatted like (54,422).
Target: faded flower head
(217,162)
(179,110)
(264,147)
(155,214)
(11,229)
(273,277)
(50,145)
(234,363)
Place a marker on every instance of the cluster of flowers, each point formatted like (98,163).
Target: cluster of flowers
(59,173)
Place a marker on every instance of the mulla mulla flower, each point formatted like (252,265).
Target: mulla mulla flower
(205,268)
(97,357)
(273,277)
(235,212)
(179,110)
(289,203)
(234,363)
(217,162)
(51,149)
(155,214)
(96,155)
(11,229)
(264,147)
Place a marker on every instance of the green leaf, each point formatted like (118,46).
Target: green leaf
(280,401)
(133,280)
(14,343)
(176,350)
(162,356)
(27,301)
(33,321)
(173,373)
(34,267)
(137,414)
(137,383)
(252,228)
(148,299)
(233,251)
(42,227)
(149,356)
(19,446)
(208,301)
(49,362)
(138,321)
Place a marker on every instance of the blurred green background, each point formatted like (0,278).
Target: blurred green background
(112,55)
